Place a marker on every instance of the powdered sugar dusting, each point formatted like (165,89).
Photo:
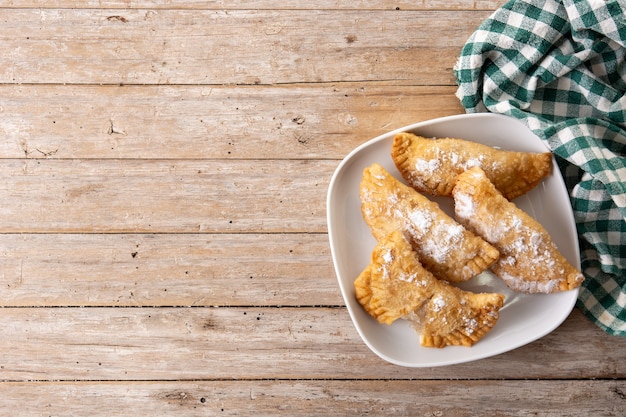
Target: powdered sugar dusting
(523,246)
(421,221)
(388,257)
(410,278)
(427,166)
(464,206)
(462,161)
(384,269)
(472,162)
(389,205)
(387,260)
(438,303)
(470,325)
(529,287)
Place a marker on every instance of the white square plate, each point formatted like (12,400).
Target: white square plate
(524,318)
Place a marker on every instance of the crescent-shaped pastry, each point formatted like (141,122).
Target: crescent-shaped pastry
(432,165)
(529,260)
(395,285)
(445,247)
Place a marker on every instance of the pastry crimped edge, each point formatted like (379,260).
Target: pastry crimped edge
(529,262)
(430,165)
(395,285)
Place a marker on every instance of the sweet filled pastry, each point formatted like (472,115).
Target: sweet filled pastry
(445,247)
(395,285)
(529,260)
(432,165)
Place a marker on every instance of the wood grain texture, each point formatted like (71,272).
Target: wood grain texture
(142,196)
(318,398)
(167,270)
(305,121)
(231,47)
(259,4)
(163,244)
(259,343)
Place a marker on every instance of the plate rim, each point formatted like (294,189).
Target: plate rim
(330,225)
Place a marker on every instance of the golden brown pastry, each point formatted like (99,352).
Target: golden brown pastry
(395,285)
(529,260)
(446,248)
(432,165)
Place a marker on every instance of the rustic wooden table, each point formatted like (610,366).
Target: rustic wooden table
(164,246)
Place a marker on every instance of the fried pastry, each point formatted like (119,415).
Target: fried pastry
(395,285)
(446,248)
(529,260)
(432,165)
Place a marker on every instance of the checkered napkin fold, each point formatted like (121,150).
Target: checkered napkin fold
(560,67)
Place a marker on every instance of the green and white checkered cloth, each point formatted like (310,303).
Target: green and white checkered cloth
(560,67)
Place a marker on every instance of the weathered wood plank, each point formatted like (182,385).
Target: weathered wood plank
(319,398)
(137,196)
(259,343)
(214,47)
(258,4)
(296,121)
(167,270)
